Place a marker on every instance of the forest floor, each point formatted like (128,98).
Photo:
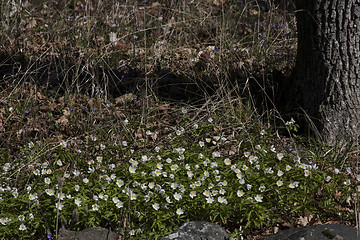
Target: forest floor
(141,116)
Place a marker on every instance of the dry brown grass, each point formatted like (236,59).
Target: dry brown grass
(210,51)
(214,45)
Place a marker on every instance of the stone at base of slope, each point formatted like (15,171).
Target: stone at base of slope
(317,232)
(198,230)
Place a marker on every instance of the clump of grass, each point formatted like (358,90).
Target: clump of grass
(232,177)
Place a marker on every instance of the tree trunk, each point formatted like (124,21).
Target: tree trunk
(325,79)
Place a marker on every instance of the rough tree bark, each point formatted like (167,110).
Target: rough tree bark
(326,78)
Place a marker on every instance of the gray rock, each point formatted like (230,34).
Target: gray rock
(94,233)
(317,232)
(198,231)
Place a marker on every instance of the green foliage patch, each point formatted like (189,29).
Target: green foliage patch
(147,192)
